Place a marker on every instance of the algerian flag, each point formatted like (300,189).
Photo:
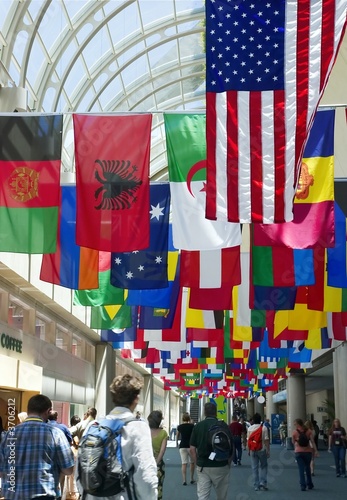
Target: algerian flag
(186,149)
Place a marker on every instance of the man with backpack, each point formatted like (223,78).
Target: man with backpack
(258,443)
(211,449)
(115,457)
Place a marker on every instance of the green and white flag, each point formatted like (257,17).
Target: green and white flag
(186,149)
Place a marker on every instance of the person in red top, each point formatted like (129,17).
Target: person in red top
(303,452)
(236,429)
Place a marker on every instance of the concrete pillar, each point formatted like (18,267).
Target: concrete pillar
(296,400)
(259,407)
(166,411)
(147,395)
(250,408)
(270,405)
(105,367)
(340,377)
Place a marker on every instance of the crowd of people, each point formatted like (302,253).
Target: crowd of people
(39,456)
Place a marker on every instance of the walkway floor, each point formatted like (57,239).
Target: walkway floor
(283,479)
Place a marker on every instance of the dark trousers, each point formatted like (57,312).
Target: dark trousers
(238,449)
(303,459)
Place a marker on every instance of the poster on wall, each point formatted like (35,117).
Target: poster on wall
(276,420)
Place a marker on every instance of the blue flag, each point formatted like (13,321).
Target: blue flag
(146,269)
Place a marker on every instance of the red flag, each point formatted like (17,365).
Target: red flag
(210,268)
(262,93)
(338,326)
(211,299)
(112,178)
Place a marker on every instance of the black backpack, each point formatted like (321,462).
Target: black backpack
(99,460)
(303,440)
(220,441)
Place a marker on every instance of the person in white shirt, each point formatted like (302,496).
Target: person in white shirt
(136,442)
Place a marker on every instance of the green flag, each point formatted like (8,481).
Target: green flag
(186,149)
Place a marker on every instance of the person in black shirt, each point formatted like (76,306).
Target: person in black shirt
(184,431)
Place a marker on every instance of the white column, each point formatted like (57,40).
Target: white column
(250,408)
(340,381)
(105,367)
(270,405)
(147,395)
(296,400)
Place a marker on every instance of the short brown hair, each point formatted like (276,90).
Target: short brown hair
(210,409)
(124,389)
(154,419)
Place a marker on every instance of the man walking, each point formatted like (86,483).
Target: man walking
(78,430)
(209,471)
(259,456)
(136,444)
(236,429)
(32,455)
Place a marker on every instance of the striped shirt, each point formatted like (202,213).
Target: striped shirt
(31,457)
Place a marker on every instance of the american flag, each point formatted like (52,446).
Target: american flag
(267,64)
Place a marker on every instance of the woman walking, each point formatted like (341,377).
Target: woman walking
(309,425)
(184,431)
(337,445)
(159,443)
(304,446)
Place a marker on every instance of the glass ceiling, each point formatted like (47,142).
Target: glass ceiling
(106,56)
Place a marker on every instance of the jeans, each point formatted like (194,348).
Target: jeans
(340,459)
(303,459)
(238,449)
(259,468)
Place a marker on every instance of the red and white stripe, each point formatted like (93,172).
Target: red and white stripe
(255,140)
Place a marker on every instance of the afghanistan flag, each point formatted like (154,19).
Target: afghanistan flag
(30,157)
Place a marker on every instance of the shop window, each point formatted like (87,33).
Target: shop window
(41,327)
(15,315)
(62,339)
(89,353)
(77,345)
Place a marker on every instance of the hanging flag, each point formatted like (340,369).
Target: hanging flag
(213,299)
(119,336)
(110,317)
(337,258)
(177,333)
(267,298)
(300,359)
(320,296)
(318,339)
(210,268)
(337,323)
(313,222)
(70,266)
(151,319)
(282,266)
(147,268)
(198,318)
(266,69)
(158,297)
(106,294)
(242,299)
(30,160)
(112,177)
(186,149)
